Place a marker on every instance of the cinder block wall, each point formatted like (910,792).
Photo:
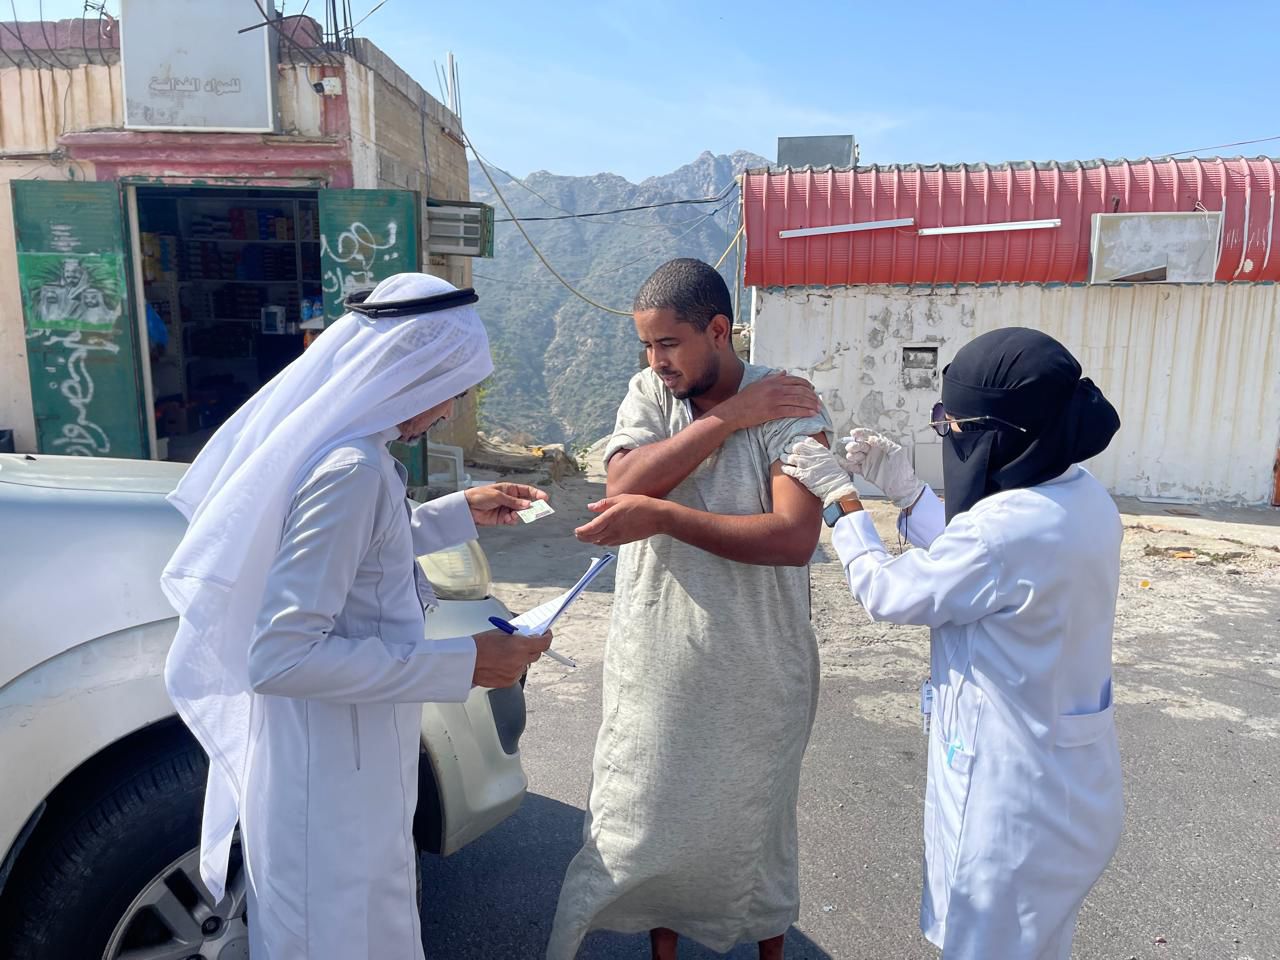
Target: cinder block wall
(401,116)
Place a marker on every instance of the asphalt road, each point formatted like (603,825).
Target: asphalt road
(1198,689)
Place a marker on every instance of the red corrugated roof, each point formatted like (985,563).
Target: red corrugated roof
(982,193)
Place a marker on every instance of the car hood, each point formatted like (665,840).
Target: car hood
(91,473)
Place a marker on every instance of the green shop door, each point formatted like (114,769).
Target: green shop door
(365,236)
(81,328)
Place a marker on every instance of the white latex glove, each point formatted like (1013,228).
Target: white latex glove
(886,464)
(818,469)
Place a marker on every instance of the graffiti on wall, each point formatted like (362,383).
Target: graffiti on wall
(67,357)
(73,303)
(71,291)
(351,261)
(78,319)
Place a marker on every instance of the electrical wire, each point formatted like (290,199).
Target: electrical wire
(62,119)
(39,61)
(44,33)
(17,33)
(349,45)
(8,56)
(514,179)
(644,206)
(630,224)
(533,246)
(84,40)
(1220,146)
(732,244)
(298,22)
(658,225)
(102,12)
(611,270)
(280,32)
(569,213)
(367,16)
(30,170)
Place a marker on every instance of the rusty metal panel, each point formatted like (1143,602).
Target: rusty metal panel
(1193,369)
(947,196)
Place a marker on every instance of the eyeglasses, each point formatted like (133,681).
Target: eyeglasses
(941,424)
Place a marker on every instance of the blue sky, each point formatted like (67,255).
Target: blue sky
(639,89)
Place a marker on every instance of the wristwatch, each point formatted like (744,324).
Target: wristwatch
(839,508)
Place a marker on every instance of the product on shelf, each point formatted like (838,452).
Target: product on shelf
(159,257)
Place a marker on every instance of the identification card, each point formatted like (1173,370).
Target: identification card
(926,704)
(539,510)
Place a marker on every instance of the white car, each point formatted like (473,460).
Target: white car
(101,785)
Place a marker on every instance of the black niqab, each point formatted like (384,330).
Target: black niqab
(1027,378)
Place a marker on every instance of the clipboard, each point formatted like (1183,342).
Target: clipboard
(542,618)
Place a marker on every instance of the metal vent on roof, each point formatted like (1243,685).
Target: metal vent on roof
(840,152)
(1155,247)
(460,228)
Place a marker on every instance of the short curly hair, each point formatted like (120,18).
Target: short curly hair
(693,289)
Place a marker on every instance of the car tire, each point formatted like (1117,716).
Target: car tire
(93,863)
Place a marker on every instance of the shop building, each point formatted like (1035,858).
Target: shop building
(176,213)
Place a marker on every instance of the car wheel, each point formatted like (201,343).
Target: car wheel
(119,877)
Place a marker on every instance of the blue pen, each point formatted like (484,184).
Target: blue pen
(508,628)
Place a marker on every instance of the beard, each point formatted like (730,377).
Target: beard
(422,433)
(709,378)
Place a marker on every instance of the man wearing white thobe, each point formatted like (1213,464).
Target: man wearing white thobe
(300,663)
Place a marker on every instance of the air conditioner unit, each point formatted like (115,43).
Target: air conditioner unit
(459,227)
(1155,247)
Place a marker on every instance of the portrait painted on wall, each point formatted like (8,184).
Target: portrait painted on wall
(71,292)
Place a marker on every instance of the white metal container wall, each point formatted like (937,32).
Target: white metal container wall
(1193,369)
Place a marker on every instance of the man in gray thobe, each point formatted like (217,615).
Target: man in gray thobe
(711,670)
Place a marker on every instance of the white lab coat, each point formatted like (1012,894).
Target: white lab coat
(1023,807)
(340,668)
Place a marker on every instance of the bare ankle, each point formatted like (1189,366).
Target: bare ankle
(664,942)
(772,948)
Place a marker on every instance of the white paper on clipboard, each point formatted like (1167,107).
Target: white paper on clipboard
(540,619)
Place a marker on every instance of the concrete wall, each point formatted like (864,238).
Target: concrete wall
(302,110)
(391,115)
(1194,369)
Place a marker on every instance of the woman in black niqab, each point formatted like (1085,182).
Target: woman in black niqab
(1029,415)
(1024,794)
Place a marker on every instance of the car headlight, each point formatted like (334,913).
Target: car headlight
(459,573)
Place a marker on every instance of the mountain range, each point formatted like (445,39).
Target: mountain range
(562,365)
